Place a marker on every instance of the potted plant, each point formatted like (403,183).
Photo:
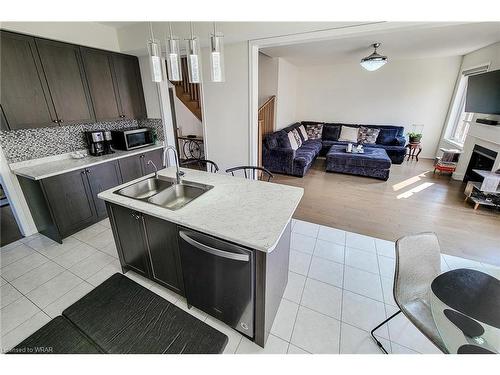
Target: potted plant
(415,137)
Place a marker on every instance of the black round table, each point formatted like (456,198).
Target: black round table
(465,305)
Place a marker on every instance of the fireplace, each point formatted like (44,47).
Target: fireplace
(483,159)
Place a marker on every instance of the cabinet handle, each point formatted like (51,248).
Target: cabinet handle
(61,120)
(82,172)
(136,216)
(55,121)
(87,171)
(122,116)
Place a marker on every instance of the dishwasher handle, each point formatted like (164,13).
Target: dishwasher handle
(212,250)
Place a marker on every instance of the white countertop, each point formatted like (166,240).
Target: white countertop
(38,169)
(247,212)
(486,174)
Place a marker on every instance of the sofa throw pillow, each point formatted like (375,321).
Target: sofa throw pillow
(303,132)
(296,134)
(314,131)
(331,132)
(349,134)
(293,141)
(367,135)
(387,136)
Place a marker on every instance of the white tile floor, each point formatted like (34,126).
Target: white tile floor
(339,287)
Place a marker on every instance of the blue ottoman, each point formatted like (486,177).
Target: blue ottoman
(374,162)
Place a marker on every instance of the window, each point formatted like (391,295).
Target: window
(460,121)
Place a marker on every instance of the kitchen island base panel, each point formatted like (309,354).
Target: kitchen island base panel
(271,281)
(133,242)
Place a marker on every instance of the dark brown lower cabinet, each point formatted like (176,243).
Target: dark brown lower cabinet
(70,201)
(130,240)
(103,177)
(67,203)
(161,237)
(137,166)
(156,157)
(131,167)
(147,245)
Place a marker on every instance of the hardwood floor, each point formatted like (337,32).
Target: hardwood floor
(412,200)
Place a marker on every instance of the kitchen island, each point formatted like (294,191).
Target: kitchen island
(240,231)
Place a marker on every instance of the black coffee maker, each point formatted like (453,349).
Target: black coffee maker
(99,142)
(107,142)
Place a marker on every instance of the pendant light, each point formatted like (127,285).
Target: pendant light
(155,57)
(374,61)
(216,56)
(193,57)
(174,67)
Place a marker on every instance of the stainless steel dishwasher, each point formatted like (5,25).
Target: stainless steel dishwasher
(219,279)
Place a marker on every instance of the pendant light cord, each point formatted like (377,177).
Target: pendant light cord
(151,30)
(191,29)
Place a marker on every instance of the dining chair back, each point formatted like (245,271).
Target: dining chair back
(252,172)
(203,164)
(418,263)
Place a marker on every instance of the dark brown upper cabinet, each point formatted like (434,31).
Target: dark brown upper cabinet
(129,86)
(99,73)
(49,83)
(63,68)
(24,95)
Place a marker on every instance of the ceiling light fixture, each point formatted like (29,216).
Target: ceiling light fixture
(216,56)
(174,67)
(154,57)
(193,57)
(374,61)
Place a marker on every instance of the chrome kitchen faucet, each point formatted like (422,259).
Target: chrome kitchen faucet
(179,173)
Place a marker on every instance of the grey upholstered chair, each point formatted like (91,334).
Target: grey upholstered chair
(418,262)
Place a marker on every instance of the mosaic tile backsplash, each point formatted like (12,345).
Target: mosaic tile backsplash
(27,144)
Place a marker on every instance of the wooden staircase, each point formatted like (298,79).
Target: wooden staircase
(188,93)
(266,122)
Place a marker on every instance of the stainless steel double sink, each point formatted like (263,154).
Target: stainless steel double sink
(164,192)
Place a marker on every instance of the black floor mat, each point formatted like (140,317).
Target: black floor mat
(58,336)
(121,316)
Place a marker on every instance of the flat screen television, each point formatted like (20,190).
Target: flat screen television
(483,93)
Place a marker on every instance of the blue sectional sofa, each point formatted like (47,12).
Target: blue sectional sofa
(279,157)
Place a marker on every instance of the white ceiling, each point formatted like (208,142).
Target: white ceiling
(132,36)
(451,40)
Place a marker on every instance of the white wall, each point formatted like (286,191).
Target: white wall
(286,107)
(225,109)
(403,92)
(90,34)
(186,121)
(268,77)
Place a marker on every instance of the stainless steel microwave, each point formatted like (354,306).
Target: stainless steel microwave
(132,138)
